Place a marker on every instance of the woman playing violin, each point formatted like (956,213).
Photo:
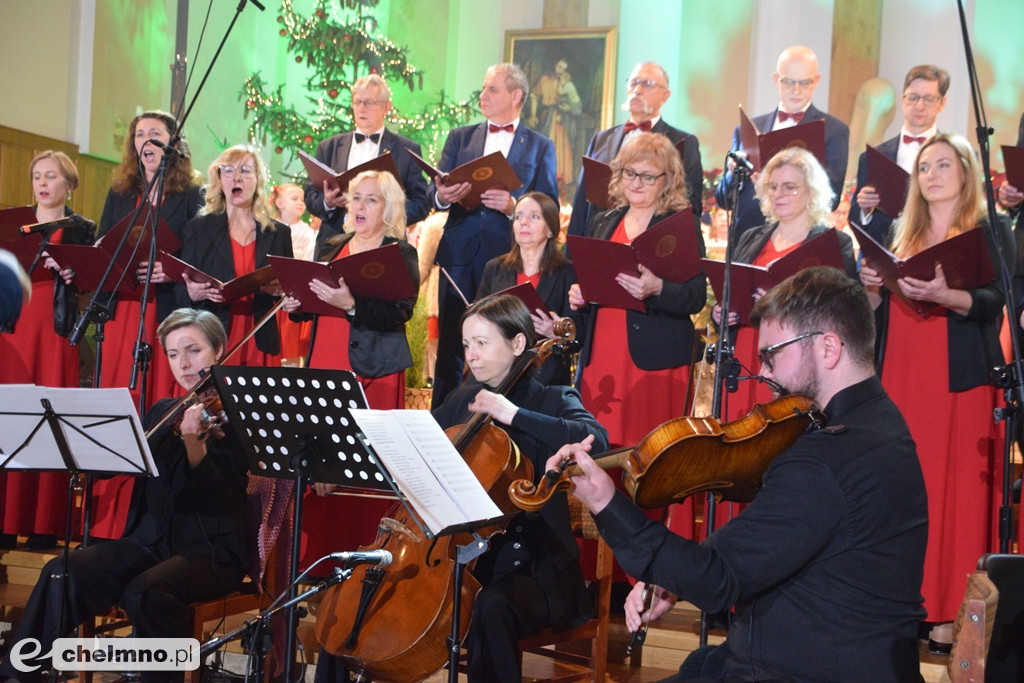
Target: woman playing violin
(186,537)
(531,575)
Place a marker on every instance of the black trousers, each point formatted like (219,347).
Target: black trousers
(506,610)
(152,586)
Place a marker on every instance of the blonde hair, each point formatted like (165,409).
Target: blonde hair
(276,193)
(215,201)
(819,202)
(179,175)
(660,151)
(67,167)
(394,202)
(912,225)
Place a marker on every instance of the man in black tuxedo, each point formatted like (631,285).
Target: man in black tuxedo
(796,77)
(924,96)
(1009,196)
(472,238)
(371,102)
(646,95)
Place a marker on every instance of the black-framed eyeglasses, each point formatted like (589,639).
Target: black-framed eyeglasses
(913,98)
(767,354)
(629,175)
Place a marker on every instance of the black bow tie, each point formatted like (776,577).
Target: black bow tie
(375,138)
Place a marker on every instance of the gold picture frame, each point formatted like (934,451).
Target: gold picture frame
(572,89)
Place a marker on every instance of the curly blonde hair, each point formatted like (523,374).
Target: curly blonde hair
(215,201)
(819,204)
(659,151)
(394,202)
(179,176)
(912,226)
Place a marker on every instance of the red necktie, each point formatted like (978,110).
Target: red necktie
(785,116)
(644,126)
(494,128)
(907,139)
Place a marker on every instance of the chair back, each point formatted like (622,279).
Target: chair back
(1005,661)
(972,630)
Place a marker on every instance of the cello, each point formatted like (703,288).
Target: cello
(391,623)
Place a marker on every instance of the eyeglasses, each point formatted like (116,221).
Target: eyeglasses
(788,189)
(636,83)
(913,98)
(790,83)
(365,103)
(244,171)
(767,354)
(629,175)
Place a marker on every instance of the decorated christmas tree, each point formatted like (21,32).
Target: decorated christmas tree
(337,54)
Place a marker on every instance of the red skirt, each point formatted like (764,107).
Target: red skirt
(959,448)
(35,502)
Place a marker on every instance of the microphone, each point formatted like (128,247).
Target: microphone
(742,161)
(167,148)
(46,228)
(378,558)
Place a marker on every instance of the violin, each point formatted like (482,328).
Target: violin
(391,623)
(212,418)
(689,455)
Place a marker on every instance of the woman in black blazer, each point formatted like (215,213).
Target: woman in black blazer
(536,258)
(232,236)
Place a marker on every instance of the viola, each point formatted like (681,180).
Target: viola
(689,455)
(391,623)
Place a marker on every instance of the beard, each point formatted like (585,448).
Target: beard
(806,380)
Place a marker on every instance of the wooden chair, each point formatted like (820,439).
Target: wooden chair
(592,666)
(1004,659)
(972,630)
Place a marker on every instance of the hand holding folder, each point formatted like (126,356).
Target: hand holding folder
(965,263)
(484,173)
(889,180)
(232,290)
(761,147)
(375,274)
(320,173)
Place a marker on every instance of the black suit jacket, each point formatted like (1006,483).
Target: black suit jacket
(553,290)
(837,142)
(207,246)
(334,152)
(606,144)
(752,242)
(661,337)
(880,223)
(176,210)
(548,418)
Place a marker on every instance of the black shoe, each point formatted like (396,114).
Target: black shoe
(8,541)
(937,648)
(41,542)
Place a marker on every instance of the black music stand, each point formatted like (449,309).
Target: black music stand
(294,424)
(91,431)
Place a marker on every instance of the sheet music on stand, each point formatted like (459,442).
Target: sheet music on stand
(279,412)
(83,430)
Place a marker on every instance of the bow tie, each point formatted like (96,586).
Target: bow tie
(786,116)
(494,128)
(907,139)
(644,126)
(375,138)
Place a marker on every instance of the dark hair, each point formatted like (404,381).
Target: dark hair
(205,321)
(180,174)
(552,258)
(508,313)
(822,298)
(928,72)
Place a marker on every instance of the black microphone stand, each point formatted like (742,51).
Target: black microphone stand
(1009,376)
(727,368)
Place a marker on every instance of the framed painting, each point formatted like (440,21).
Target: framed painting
(572,90)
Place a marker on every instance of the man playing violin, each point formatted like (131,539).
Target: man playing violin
(531,575)
(185,540)
(824,567)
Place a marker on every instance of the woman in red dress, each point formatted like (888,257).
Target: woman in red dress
(796,197)
(633,392)
(181,199)
(38,353)
(368,339)
(232,236)
(936,368)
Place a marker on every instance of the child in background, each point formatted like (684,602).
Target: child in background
(288,206)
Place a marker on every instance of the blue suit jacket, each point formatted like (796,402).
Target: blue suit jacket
(837,142)
(472,238)
(334,152)
(880,221)
(606,144)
